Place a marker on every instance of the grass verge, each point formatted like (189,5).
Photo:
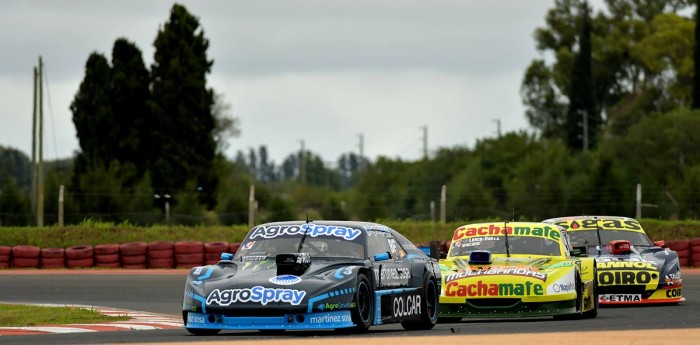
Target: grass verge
(16,315)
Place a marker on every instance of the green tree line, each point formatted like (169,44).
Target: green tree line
(611,103)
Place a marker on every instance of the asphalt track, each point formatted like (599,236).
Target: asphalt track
(162,293)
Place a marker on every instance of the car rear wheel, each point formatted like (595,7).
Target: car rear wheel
(429,305)
(363,313)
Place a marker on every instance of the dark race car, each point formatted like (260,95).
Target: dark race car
(314,275)
(631,269)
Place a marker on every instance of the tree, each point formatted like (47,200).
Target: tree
(92,116)
(182,104)
(129,95)
(582,105)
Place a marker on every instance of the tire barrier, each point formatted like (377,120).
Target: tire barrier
(25,256)
(213,250)
(107,255)
(161,254)
(233,247)
(53,258)
(189,254)
(5,256)
(80,256)
(133,254)
(682,247)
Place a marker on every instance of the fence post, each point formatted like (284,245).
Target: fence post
(251,206)
(443,203)
(60,206)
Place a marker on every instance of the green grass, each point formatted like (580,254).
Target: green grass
(103,233)
(15,315)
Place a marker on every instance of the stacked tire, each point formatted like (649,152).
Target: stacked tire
(161,254)
(213,250)
(25,256)
(695,252)
(189,254)
(133,255)
(233,247)
(682,247)
(5,256)
(107,256)
(80,256)
(53,258)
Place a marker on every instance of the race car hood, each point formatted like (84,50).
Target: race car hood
(643,266)
(257,286)
(508,277)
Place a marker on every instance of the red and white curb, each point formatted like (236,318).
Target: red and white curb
(139,321)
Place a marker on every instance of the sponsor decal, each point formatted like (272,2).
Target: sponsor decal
(248,245)
(195,319)
(311,230)
(343,272)
(253,258)
(624,277)
(621,298)
(673,293)
(197,282)
(336,306)
(673,278)
(198,270)
(285,279)
(406,305)
(304,258)
(605,224)
(638,265)
(256,294)
(376,227)
(392,276)
(330,318)
(481,289)
(392,245)
(546,232)
(525,272)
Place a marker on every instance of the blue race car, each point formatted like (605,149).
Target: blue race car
(314,275)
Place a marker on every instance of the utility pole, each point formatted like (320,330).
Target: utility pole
(585,131)
(40,172)
(302,163)
(361,146)
(425,142)
(498,127)
(432,211)
(34,166)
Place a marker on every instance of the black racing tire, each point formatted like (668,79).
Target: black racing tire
(363,313)
(590,314)
(429,306)
(198,331)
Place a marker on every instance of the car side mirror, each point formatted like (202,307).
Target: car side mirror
(579,252)
(382,257)
(435,250)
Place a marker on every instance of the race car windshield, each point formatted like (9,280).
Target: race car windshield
(524,245)
(580,237)
(320,247)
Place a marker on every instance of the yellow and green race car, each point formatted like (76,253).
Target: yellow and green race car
(631,268)
(515,269)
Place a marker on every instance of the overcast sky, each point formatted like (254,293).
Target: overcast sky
(322,71)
